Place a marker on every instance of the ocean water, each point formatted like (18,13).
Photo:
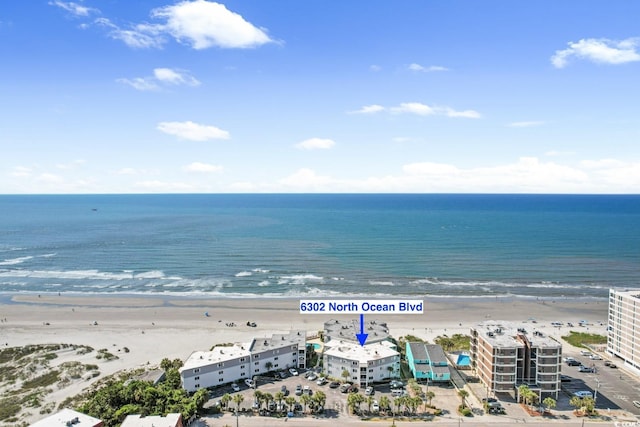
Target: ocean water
(320,245)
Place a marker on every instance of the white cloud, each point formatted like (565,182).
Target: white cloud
(419,109)
(49,178)
(138,36)
(70,165)
(192,131)
(556,153)
(202,168)
(74,8)
(164,186)
(306,179)
(175,77)
(468,114)
(413,108)
(21,171)
(375,68)
(602,51)
(525,124)
(205,24)
(315,144)
(429,69)
(368,109)
(161,77)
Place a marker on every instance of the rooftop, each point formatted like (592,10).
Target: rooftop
(68,417)
(216,355)
(346,330)
(171,420)
(363,354)
(278,341)
(506,335)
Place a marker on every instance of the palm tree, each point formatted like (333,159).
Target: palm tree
(305,399)
(370,400)
(345,374)
(397,402)
(225,399)
(384,403)
(268,397)
(549,403)
(268,365)
(320,398)
(576,402)
(259,396)
(430,395)
(290,401)
(525,394)
(463,395)
(279,396)
(238,399)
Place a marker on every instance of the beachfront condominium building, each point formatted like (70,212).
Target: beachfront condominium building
(226,364)
(363,365)
(623,327)
(505,356)
(341,330)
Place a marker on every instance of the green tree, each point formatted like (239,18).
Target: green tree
(238,399)
(345,375)
(268,398)
(320,398)
(463,394)
(369,401)
(305,399)
(268,365)
(398,402)
(225,400)
(279,396)
(430,395)
(384,403)
(290,401)
(549,403)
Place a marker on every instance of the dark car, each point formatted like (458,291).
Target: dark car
(353,389)
(573,362)
(489,400)
(565,378)
(334,384)
(284,390)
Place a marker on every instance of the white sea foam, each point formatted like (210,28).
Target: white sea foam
(264,283)
(48,255)
(380,283)
(154,274)
(15,261)
(244,274)
(260,270)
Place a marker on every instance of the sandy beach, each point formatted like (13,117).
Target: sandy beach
(152,328)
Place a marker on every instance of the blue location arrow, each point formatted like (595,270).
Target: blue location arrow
(362,337)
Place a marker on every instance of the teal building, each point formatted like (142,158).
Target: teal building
(427,362)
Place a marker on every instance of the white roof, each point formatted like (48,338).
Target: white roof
(217,355)
(171,420)
(61,418)
(363,354)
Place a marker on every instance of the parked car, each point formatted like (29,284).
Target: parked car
(312,377)
(345,387)
(607,363)
(587,369)
(369,391)
(375,407)
(249,383)
(282,374)
(396,384)
(489,399)
(565,378)
(566,359)
(321,381)
(334,384)
(636,404)
(299,390)
(595,357)
(293,371)
(612,365)
(235,387)
(583,393)
(585,353)
(284,390)
(353,389)
(573,362)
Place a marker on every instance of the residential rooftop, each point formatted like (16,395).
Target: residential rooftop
(216,355)
(171,420)
(363,354)
(346,330)
(504,334)
(277,341)
(66,416)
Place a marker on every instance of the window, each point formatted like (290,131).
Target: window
(257,356)
(241,366)
(275,358)
(242,374)
(242,359)
(197,386)
(220,372)
(257,370)
(195,371)
(220,380)
(220,365)
(196,378)
(256,363)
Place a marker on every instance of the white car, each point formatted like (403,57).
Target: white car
(595,357)
(375,407)
(293,371)
(249,383)
(321,381)
(583,393)
(235,387)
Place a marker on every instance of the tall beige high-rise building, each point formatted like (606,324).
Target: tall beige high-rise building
(624,327)
(506,356)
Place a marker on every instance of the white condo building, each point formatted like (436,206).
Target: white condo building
(221,365)
(623,327)
(377,360)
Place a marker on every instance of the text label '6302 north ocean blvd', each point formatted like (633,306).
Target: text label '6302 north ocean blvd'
(362,306)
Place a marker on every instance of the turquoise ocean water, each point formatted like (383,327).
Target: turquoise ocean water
(320,245)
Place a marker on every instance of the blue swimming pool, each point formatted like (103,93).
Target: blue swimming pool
(463,360)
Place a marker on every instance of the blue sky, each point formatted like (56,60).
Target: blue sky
(475,96)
